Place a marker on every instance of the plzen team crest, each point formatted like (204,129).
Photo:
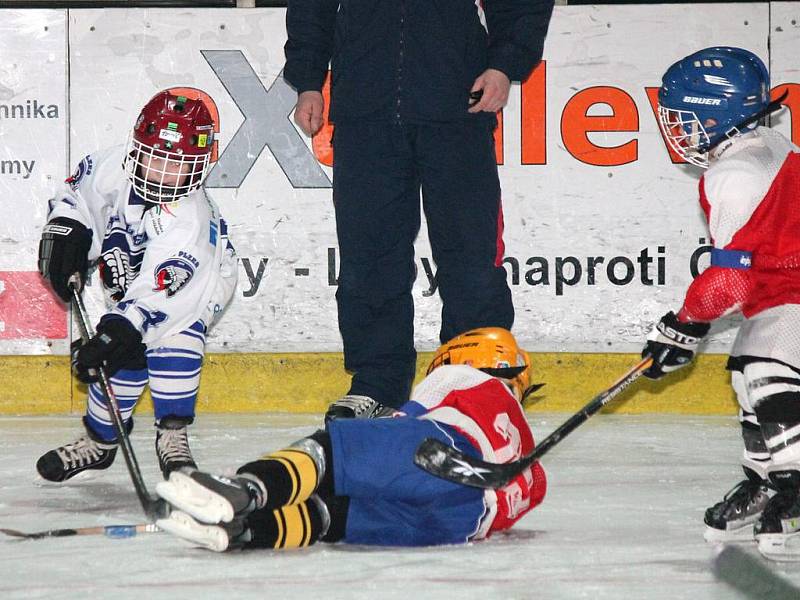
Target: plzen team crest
(172,275)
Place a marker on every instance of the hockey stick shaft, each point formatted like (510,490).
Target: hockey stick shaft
(112,531)
(750,576)
(153,507)
(591,408)
(448,463)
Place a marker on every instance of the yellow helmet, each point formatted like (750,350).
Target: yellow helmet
(492,350)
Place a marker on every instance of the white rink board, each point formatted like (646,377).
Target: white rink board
(784,65)
(569,208)
(564,208)
(33,126)
(33,141)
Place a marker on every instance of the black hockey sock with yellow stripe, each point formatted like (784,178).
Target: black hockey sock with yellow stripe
(291,475)
(294,526)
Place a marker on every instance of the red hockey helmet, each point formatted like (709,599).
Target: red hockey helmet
(169,149)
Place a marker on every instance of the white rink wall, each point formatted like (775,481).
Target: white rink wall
(587,178)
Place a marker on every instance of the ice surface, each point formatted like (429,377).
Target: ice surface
(622,519)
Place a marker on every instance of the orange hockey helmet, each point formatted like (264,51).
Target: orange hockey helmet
(492,350)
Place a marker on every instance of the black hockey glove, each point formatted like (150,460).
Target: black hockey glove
(63,251)
(116,345)
(672,344)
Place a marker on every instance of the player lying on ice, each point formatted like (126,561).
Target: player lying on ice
(167,270)
(710,105)
(333,486)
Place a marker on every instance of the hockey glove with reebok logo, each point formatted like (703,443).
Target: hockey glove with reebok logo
(117,345)
(63,251)
(672,344)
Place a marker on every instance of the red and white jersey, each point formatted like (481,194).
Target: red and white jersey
(751,199)
(163,268)
(484,411)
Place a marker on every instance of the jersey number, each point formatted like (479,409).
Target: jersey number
(510,433)
(152,318)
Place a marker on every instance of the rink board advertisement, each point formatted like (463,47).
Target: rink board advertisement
(602,231)
(33,158)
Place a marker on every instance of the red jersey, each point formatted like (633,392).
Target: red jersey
(484,411)
(750,196)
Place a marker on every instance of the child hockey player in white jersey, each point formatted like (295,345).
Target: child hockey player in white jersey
(167,268)
(710,104)
(331,487)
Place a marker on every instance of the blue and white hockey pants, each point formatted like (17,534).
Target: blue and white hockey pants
(173,371)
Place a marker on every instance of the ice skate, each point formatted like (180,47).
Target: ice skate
(77,459)
(778,530)
(357,407)
(211,498)
(172,445)
(218,537)
(733,518)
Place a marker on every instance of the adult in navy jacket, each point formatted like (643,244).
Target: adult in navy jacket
(415,88)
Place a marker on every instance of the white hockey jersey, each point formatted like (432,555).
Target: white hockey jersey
(163,268)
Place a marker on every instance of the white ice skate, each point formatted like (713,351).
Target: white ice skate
(219,537)
(209,498)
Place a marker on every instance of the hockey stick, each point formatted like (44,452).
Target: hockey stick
(112,531)
(154,508)
(750,576)
(448,463)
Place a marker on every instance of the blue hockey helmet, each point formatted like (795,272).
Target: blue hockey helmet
(710,96)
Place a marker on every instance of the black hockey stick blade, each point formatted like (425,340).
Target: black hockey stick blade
(154,508)
(39,534)
(446,462)
(750,576)
(112,531)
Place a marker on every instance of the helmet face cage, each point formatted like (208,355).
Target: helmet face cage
(685,134)
(169,149)
(161,176)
